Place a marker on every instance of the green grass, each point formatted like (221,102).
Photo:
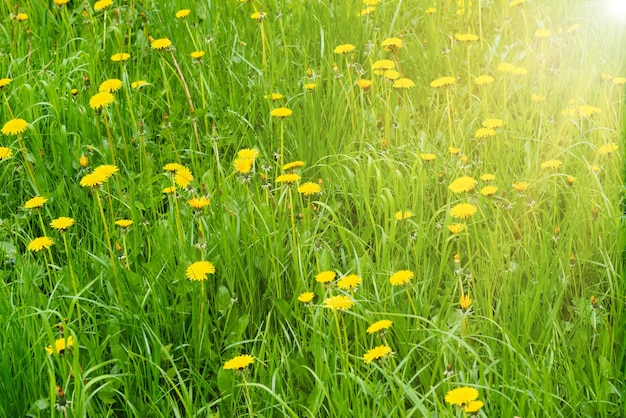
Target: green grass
(544,336)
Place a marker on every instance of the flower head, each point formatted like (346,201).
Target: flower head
(107,170)
(281,112)
(364,84)
(465,37)
(93,179)
(309,188)
(101,100)
(182,13)
(259,16)
(542,33)
(60,345)
(487,177)
(349,282)
(198,271)
(552,164)
(443,82)
(40,243)
(123,223)
(288,178)
(488,190)
(506,68)
(461,396)
(463,210)
(102,4)
(310,86)
(243,165)
(483,80)
(484,133)
(344,49)
(197,55)
(456,228)
(473,406)
(392,44)
(401,277)
(462,185)
(428,156)
(4,82)
(14,127)
(62,223)
(273,96)
(35,203)
(381,325)
(110,85)
(403,214)
(325,276)
(520,186)
(380,66)
(608,149)
(465,302)
(403,83)
(339,302)
(183,177)
(377,353)
(120,57)
(138,84)
(239,362)
(199,202)
(162,43)
(391,75)
(306,297)
(5,153)
(293,164)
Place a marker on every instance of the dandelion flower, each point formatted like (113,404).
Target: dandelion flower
(461,396)
(484,133)
(172,167)
(403,83)
(520,71)
(542,33)
(273,96)
(110,85)
(107,170)
(364,84)
(93,180)
(288,178)
(35,203)
(483,80)
(402,215)
(570,180)
(366,11)
(552,164)
(443,82)
(473,406)
(381,325)
(21,17)
(380,66)
(573,28)
(619,81)
(428,157)
(138,84)
(488,190)
(243,165)
(101,100)
(344,49)
(281,112)
(454,150)
(162,43)
(102,4)
(120,57)
(239,362)
(199,202)
(349,282)
(391,75)
(60,345)
(293,164)
(517,3)
(391,44)
(401,277)
(309,188)
(123,223)
(466,37)
(487,177)
(325,276)
(182,13)
(198,271)
(5,153)
(40,243)
(462,185)
(183,177)
(537,98)
(430,11)
(493,123)
(169,190)
(608,149)
(306,297)
(14,127)
(62,223)
(310,86)
(339,302)
(377,353)
(4,82)
(456,229)
(520,186)
(463,210)
(465,302)
(248,153)
(258,16)
(506,68)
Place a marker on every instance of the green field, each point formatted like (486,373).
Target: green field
(312,208)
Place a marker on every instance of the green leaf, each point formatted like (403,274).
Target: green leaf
(222,299)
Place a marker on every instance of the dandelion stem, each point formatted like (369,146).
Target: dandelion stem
(29,168)
(108,237)
(248,399)
(73,276)
(191,107)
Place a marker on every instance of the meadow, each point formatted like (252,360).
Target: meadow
(312,208)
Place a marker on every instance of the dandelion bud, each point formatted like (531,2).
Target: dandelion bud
(572,260)
(594,302)
(83,161)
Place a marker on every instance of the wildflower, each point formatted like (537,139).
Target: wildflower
(364,84)
(21,17)
(520,186)
(198,271)
(199,202)
(138,84)
(570,180)
(101,100)
(454,150)
(483,80)
(493,123)
(182,13)
(102,4)
(258,16)
(517,3)
(484,133)
(40,243)
(463,210)
(172,167)
(381,325)
(169,190)
(243,165)
(392,44)
(344,49)
(309,188)
(325,276)
(248,153)
(552,164)
(506,68)
(462,185)
(461,396)
(123,223)
(377,353)
(573,28)
(428,157)
(288,178)
(403,83)
(183,177)
(456,229)
(93,179)
(542,33)
(293,164)
(4,82)
(366,11)
(310,86)
(537,98)
(608,149)
(106,169)
(619,81)
(239,362)
(306,297)
(35,203)
(488,190)
(380,66)
(196,55)
(120,57)
(349,282)
(465,302)
(402,215)
(401,277)
(62,223)
(473,406)
(466,37)
(391,75)
(487,177)
(111,85)
(595,168)
(273,96)
(339,302)
(5,153)
(443,82)
(281,112)
(162,43)
(14,127)
(60,345)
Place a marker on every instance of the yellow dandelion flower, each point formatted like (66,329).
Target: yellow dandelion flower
(183,177)
(473,406)
(461,396)
(619,81)
(537,98)
(198,271)
(391,75)
(120,57)
(463,210)
(293,164)
(573,28)
(182,13)
(552,164)
(520,71)
(339,302)
(21,17)
(199,202)
(101,100)
(506,68)
(169,190)
(243,165)
(162,43)
(364,84)
(258,16)
(344,49)
(366,11)
(493,123)
(107,170)
(465,302)
(138,84)
(61,2)
(570,180)
(35,203)
(462,185)
(456,229)
(14,127)
(325,276)
(102,4)
(443,82)
(309,188)
(484,133)
(454,150)
(377,353)
(403,83)
(520,186)
(288,178)
(110,86)
(466,37)
(5,153)
(248,153)
(430,11)
(123,223)
(239,362)
(273,96)
(310,86)
(595,168)
(40,243)
(487,177)
(381,325)
(608,149)
(306,297)
(93,180)
(197,55)
(391,44)
(402,215)
(172,167)
(371,2)
(401,277)
(427,156)
(488,190)
(62,223)
(380,66)
(4,82)
(542,33)
(483,80)
(517,3)
(60,345)
(281,112)
(349,282)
